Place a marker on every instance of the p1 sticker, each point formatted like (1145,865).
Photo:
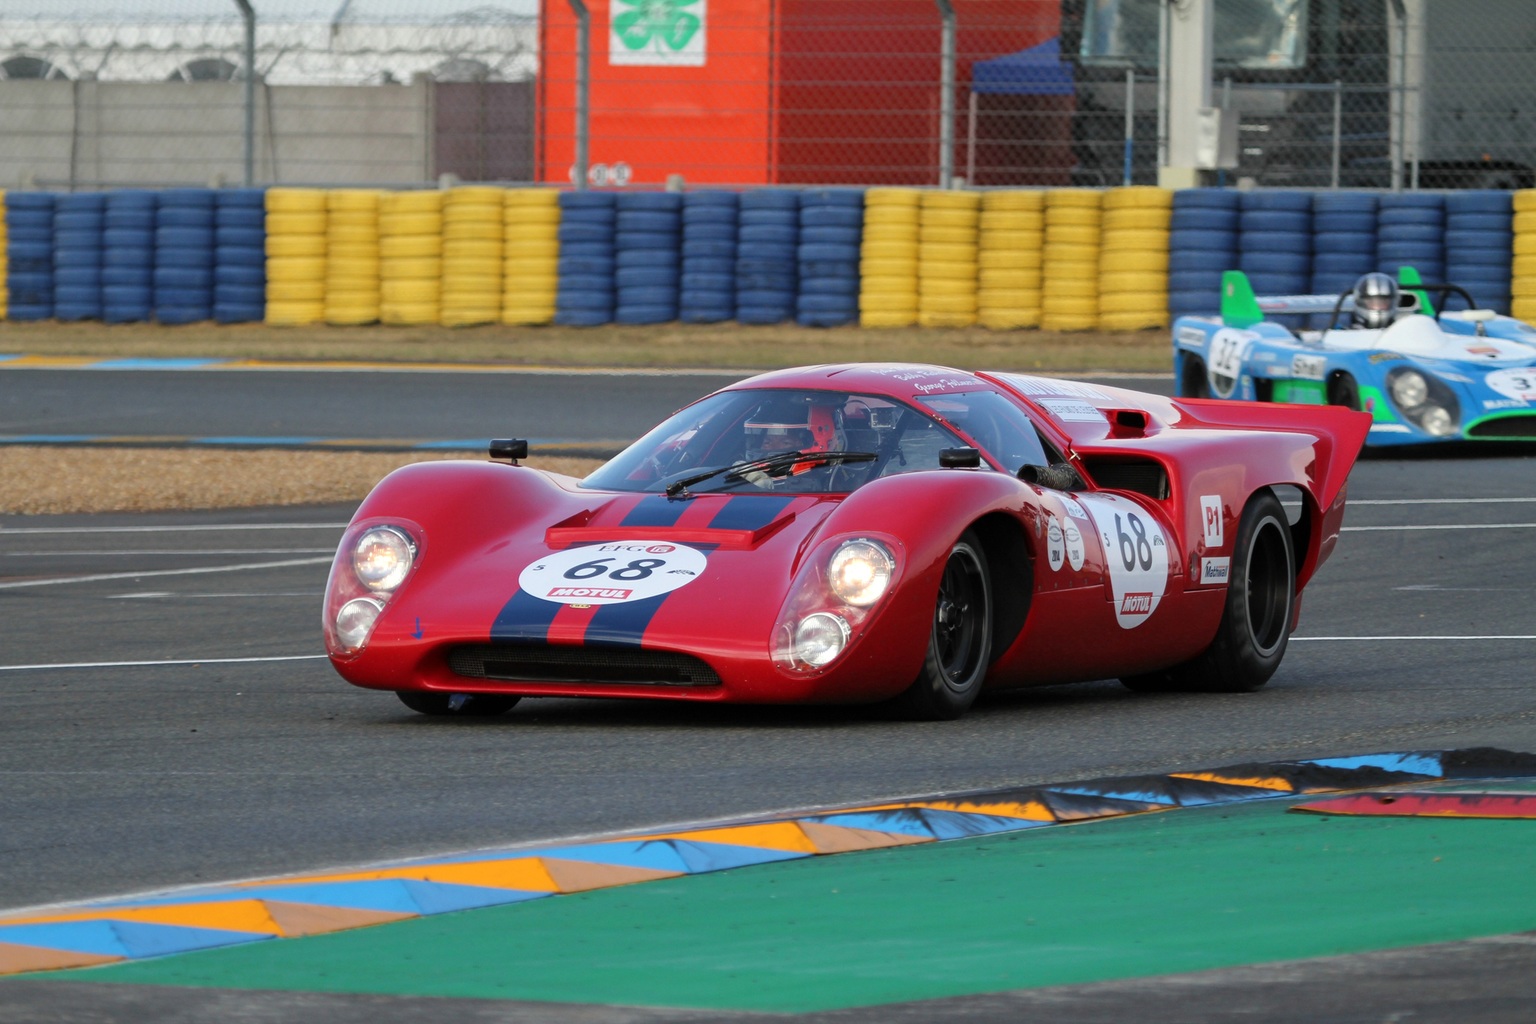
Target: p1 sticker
(612,573)
(1135,556)
(1210,518)
(1518,383)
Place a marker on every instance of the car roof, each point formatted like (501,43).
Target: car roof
(896,380)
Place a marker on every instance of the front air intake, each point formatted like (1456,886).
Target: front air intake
(1506,428)
(603,665)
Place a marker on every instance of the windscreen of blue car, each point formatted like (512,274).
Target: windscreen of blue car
(731,428)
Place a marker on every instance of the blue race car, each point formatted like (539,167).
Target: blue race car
(1425,374)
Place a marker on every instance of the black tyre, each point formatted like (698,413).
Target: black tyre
(1256,623)
(1192,379)
(464,705)
(1342,390)
(959,641)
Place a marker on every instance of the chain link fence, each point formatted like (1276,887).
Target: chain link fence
(994,93)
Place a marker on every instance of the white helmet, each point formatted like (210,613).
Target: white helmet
(1375,300)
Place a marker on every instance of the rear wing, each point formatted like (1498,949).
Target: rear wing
(1241,308)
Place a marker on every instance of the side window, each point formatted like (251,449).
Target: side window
(996,426)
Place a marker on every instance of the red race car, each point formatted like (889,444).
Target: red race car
(858,533)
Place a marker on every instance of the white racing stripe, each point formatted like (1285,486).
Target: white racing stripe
(58,580)
(162,664)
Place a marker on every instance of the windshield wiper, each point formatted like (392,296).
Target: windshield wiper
(773,465)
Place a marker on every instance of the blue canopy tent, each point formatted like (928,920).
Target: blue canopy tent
(1032,94)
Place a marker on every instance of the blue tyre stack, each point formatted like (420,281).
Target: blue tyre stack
(78,220)
(1202,244)
(584,283)
(29,255)
(128,257)
(1479,246)
(1343,240)
(831,228)
(1275,243)
(1409,232)
(239,255)
(707,285)
(184,244)
(767,256)
(647,257)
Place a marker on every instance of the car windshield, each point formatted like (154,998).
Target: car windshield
(846,439)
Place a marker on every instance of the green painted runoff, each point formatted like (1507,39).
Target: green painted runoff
(1145,895)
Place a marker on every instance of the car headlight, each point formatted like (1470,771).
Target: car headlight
(1437,421)
(860,571)
(382,557)
(1409,389)
(354,622)
(820,638)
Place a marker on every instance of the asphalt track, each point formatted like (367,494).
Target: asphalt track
(169,721)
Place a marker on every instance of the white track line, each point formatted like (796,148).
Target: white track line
(162,664)
(189,528)
(1372,639)
(1441,526)
(58,580)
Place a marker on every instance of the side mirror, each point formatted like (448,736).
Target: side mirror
(959,458)
(509,449)
(1058,476)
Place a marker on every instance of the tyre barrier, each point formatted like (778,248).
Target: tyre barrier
(888,258)
(531,256)
(1409,226)
(184,243)
(767,257)
(1070,260)
(831,227)
(78,222)
(1008,276)
(410,257)
(706,281)
(474,222)
(585,289)
(1133,273)
(29,255)
(1202,244)
(239,255)
(647,244)
(1275,244)
(1479,244)
(353,287)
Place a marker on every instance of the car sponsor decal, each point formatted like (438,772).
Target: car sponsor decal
(1384,357)
(1517,383)
(1214,570)
(1389,428)
(612,573)
(1135,556)
(1192,338)
(1210,519)
(1070,411)
(1055,543)
(1073,508)
(1074,541)
(1228,350)
(1037,386)
(1305,367)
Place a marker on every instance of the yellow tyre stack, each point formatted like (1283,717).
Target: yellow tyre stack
(473,225)
(531,251)
(352,257)
(1522,284)
(296,244)
(1070,264)
(410,257)
(1133,258)
(947,229)
(5,264)
(888,258)
(1008,259)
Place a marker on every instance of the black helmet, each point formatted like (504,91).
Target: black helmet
(1375,300)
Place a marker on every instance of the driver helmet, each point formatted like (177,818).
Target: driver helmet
(1375,300)
(790,427)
